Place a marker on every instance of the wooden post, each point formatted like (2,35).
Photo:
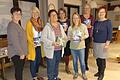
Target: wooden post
(15,3)
(60,4)
(43,6)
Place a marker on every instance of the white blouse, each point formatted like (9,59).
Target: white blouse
(37,38)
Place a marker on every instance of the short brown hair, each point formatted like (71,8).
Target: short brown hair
(52,10)
(15,9)
(61,9)
(103,7)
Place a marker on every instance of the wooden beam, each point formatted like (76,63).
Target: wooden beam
(15,3)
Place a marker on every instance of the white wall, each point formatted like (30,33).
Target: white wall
(73,2)
(101,2)
(114,16)
(111,14)
(5,16)
(115,2)
(55,2)
(26,11)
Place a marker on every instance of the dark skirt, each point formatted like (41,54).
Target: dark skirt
(67,51)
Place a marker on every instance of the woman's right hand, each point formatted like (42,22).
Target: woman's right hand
(70,38)
(22,57)
(88,25)
(55,44)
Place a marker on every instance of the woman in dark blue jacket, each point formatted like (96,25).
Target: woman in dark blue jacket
(102,35)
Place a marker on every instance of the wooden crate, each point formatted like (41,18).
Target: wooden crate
(3,42)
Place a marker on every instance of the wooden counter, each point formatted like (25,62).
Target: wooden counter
(3,58)
(118,36)
(3,42)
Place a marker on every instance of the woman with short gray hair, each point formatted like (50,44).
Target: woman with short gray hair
(17,42)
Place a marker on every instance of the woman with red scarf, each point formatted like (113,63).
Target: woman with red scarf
(33,29)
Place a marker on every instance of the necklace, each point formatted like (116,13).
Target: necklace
(98,27)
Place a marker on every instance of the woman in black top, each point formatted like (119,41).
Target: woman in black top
(65,23)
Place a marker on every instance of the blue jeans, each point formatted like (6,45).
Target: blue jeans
(34,65)
(81,55)
(53,65)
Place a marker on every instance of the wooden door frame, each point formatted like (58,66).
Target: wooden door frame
(69,6)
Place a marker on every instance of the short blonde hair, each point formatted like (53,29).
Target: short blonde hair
(34,8)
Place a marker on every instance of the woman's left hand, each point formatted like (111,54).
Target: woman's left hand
(106,46)
(81,38)
(88,25)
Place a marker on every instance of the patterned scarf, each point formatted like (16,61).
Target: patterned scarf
(37,24)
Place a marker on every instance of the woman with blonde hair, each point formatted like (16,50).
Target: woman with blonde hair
(77,33)
(33,29)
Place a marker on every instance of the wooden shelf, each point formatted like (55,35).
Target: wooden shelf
(3,42)
(118,36)
(114,35)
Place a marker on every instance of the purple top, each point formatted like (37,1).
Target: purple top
(86,21)
(57,32)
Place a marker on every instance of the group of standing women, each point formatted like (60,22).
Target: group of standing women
(58,38)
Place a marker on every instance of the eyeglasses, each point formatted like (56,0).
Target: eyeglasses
(75,18)
(102,12)
(53,15)
(86,8)
(18,14)
(61,13)
(35,12)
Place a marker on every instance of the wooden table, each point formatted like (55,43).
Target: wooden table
(2,62)
(3,43)
(118,36)
(114,35)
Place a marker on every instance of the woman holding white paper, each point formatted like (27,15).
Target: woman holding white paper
(77,33)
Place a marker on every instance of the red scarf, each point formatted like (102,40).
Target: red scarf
(37,24)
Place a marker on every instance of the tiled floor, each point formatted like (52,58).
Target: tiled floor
(112,72)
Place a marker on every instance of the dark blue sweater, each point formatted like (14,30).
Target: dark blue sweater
(102,31)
